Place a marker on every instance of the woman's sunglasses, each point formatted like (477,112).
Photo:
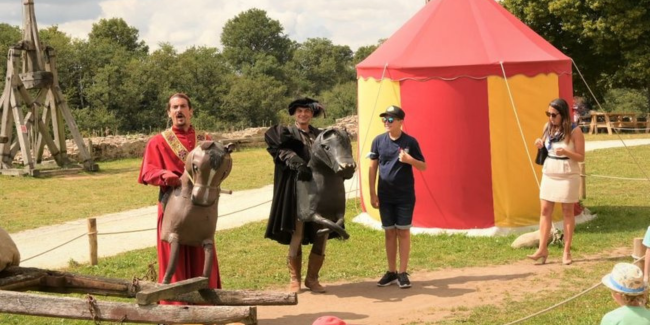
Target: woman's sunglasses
(388,119)
(553,115)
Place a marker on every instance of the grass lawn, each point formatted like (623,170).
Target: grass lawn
(27,202)
(248,261)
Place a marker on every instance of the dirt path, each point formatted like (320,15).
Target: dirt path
(433,297)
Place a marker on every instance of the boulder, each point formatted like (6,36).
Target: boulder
(9,255)
(531,239)
(527,240)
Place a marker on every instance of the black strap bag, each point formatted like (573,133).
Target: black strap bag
(542,153)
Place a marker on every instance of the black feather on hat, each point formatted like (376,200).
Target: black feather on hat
(306,102)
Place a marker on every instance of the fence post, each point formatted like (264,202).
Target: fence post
(92,240)
(583,180)
(638,251)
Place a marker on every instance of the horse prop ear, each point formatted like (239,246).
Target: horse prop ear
(205,145)
(230,147)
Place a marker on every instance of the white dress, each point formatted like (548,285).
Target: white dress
(560,177)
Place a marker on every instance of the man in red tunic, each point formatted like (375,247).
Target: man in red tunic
(162,165)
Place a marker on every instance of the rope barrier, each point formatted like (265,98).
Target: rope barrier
(555,306)
(124,232)
(616,129)
(141,230)
(636,260)
(622,178)
(49,250)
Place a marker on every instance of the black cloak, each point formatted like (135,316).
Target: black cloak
(283,143)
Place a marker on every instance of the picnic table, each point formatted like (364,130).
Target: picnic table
(614,120)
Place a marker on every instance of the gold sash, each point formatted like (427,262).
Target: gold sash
(175,144)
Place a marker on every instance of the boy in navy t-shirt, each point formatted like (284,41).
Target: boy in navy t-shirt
(395,153)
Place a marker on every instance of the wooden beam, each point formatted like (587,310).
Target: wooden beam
(7,125)
(62,107)
(169,291)
(21,282)
(21,128)
(77,283)
(90,309)
(240,298)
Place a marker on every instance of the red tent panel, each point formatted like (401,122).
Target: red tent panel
(453,131)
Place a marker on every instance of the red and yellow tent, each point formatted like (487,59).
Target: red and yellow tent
(474,82)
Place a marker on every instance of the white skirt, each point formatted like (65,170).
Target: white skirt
(560,181)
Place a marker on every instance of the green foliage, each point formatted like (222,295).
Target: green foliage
(251,33)
(9,35)
(112,80)
(320,65)
(363,52)
(94,121)
(62,43)
(117,31)
(608,40)
(341,100)
(254,101)
(626,100)
(202,74)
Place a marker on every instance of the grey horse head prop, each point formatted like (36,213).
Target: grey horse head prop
(190,215)
(322,199)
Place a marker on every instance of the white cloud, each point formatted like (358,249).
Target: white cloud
(200,22)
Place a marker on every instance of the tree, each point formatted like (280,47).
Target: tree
(254,101)
(341,101)
(626,100)
(65,58)
(321,65)
(202,73)
(117,31)
(154,77)
(9,35)
(608,40)
(363,52)
(252,33)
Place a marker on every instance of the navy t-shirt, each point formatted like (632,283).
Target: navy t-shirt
(396,184)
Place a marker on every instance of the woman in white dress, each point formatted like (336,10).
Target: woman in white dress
(560,175)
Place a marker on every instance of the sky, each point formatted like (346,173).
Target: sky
(183,24)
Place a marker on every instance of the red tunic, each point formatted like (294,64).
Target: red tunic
(158,158)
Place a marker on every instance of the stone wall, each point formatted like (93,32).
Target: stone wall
(132,146)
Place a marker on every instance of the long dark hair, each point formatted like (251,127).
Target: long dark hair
(562,107)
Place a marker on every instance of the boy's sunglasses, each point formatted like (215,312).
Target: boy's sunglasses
(553,115)
(388,119)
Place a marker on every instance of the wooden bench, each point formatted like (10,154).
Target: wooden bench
(620,121)
(629,121)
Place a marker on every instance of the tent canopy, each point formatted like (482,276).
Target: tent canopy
(463,38)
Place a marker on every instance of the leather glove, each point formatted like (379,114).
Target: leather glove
(296,162)
(171,179)
(304,173)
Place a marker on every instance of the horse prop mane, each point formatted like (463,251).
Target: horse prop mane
(191,210)
(322,199)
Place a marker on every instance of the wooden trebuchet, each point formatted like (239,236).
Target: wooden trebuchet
(47,108)
(91,309)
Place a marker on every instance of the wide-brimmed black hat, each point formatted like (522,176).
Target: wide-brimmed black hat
(394,111)
(306,102)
